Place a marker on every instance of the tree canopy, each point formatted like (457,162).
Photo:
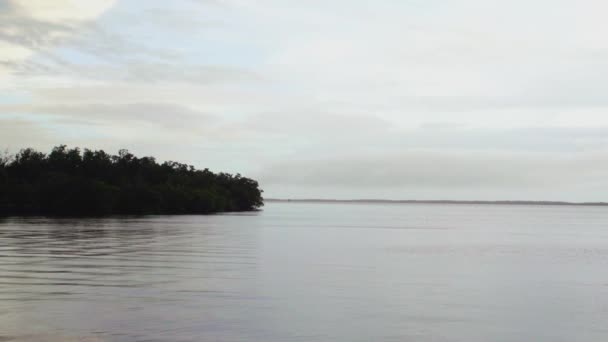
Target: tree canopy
(75,182)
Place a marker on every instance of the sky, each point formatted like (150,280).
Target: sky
(409,99)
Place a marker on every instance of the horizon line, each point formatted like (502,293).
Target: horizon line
(486,202)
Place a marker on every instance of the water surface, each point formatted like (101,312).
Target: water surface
(310,272)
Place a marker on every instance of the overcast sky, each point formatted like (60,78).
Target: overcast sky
(401,99)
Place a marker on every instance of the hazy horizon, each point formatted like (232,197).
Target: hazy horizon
(427,201)
(468,100)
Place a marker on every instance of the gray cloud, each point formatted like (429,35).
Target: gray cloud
(570,97)
(143,72)
(144,120)
(436,169)
(118,57)
(31,33)
(168,132)
(14,131)
(549,139)
(315,132)
(314,121)
(31,29)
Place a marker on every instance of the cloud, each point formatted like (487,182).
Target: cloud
(313,122)
(12,53)
(29,26)
(61,10)
(167,116)
(142,73)
(437,174)
(14,130)
(145,126)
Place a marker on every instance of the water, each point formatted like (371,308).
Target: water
(310,272)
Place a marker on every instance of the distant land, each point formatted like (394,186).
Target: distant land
(385,201)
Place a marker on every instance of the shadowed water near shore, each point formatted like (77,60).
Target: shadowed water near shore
(310,272)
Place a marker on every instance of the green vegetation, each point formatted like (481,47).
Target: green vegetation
(68,182)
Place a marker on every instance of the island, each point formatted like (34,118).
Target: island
(75,182)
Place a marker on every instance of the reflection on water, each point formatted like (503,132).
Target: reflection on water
(310,272)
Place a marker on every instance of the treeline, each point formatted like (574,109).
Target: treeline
(71,182)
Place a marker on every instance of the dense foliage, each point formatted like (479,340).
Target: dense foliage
(71,182)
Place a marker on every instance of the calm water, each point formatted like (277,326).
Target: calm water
(310,272)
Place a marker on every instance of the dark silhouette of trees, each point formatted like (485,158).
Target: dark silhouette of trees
(74,182)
